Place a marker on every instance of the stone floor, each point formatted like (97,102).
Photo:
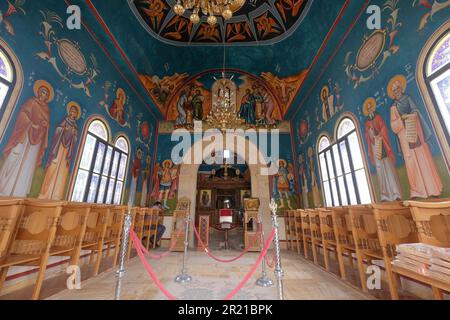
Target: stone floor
(213,280)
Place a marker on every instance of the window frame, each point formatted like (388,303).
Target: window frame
(114,149)
(424,83)
(14,87)
(329,150)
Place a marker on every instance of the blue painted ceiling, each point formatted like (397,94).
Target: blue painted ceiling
(151,56)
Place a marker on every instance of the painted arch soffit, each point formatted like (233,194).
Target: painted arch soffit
(257,22)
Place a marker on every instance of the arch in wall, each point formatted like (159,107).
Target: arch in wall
(15,86)
(423,77)
(187,185)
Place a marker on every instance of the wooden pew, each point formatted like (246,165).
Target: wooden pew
(114,228)
(156,217)
(316,234)
(70,231)
(328,238)
(133,221)
(298,229)
(147,226)
(344,237)
(32,242)
(432,219)
(94,237)
(365,235)
(287,226)
(287,229)
(306,227)
(395,226)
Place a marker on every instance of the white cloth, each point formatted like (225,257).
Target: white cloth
(18,169)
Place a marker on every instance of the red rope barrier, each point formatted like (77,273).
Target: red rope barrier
(255,266)
(149,270)
(164,254)
(214,257)
(269,264)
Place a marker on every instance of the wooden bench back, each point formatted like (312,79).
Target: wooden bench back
(97,223)
(342,226)
(432,221)
(10,213)
(326,225)
(37,227)
(298,221)
(314,223)
(395,226)
(306,226)
(364,228)
(115,222)
(72,224)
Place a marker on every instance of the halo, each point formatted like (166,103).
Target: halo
(400,78)
(42,83)
(121,92)
(326,89)
(281,163)
(139,151)
(75,105)
(369,101)
(310,152)
(167,162)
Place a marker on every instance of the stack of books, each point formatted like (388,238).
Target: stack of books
(440,264)
(413,256)
(424,259)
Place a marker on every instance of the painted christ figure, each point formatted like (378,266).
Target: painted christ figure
(381,154)
(413,135)
(145,176)
(135,171)
(62,151)
(27,144)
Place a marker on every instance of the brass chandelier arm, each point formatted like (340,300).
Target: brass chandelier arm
(211,8)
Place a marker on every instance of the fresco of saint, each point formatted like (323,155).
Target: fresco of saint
(135,171)
(165,183)
(145,176)
(182,101)
(303,182)
(247,110)
(313,177)
(413,135)
(381,154)
(282,184)
(327,103)
(117,110)
(62,151)
(27,143)
(197,105)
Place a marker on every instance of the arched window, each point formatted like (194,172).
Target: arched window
(10,84)
(344,177)
(434,81)
(102,168)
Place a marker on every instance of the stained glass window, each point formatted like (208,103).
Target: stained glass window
(102,168)
(343,173)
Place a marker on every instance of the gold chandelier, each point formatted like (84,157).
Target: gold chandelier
(223,115)
(210,8)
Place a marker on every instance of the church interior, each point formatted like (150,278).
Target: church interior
(225,149)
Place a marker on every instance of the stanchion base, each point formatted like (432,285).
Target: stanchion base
(183,278)
(263,281)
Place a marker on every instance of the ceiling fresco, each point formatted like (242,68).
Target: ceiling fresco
(159,67)
(256,22)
